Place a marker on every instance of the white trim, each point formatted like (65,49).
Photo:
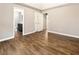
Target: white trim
(23,22)
(62,5)
(29,33)
(1,40)
(26,5)
(64,34)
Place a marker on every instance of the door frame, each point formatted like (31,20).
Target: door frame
(22,10)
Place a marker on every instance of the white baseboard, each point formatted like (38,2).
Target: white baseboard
(64,34)
(6,39)
(29,33)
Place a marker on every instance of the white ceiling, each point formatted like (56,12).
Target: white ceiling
(43,6)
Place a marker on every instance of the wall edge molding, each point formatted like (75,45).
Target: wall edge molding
(29,33)
(25,5)
(69,35)
(5,39)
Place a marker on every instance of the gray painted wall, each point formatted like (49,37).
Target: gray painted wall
(6,20)
(64,19)
(29,25)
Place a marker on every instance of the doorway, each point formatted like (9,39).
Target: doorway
(18,21)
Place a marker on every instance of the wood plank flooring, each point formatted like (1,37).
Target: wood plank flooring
(35,44)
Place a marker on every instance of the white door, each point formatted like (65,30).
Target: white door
(38,21)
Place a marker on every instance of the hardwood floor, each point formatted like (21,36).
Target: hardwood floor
(37,44)
(63,44)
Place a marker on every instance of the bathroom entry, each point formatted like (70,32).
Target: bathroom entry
(18,21)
